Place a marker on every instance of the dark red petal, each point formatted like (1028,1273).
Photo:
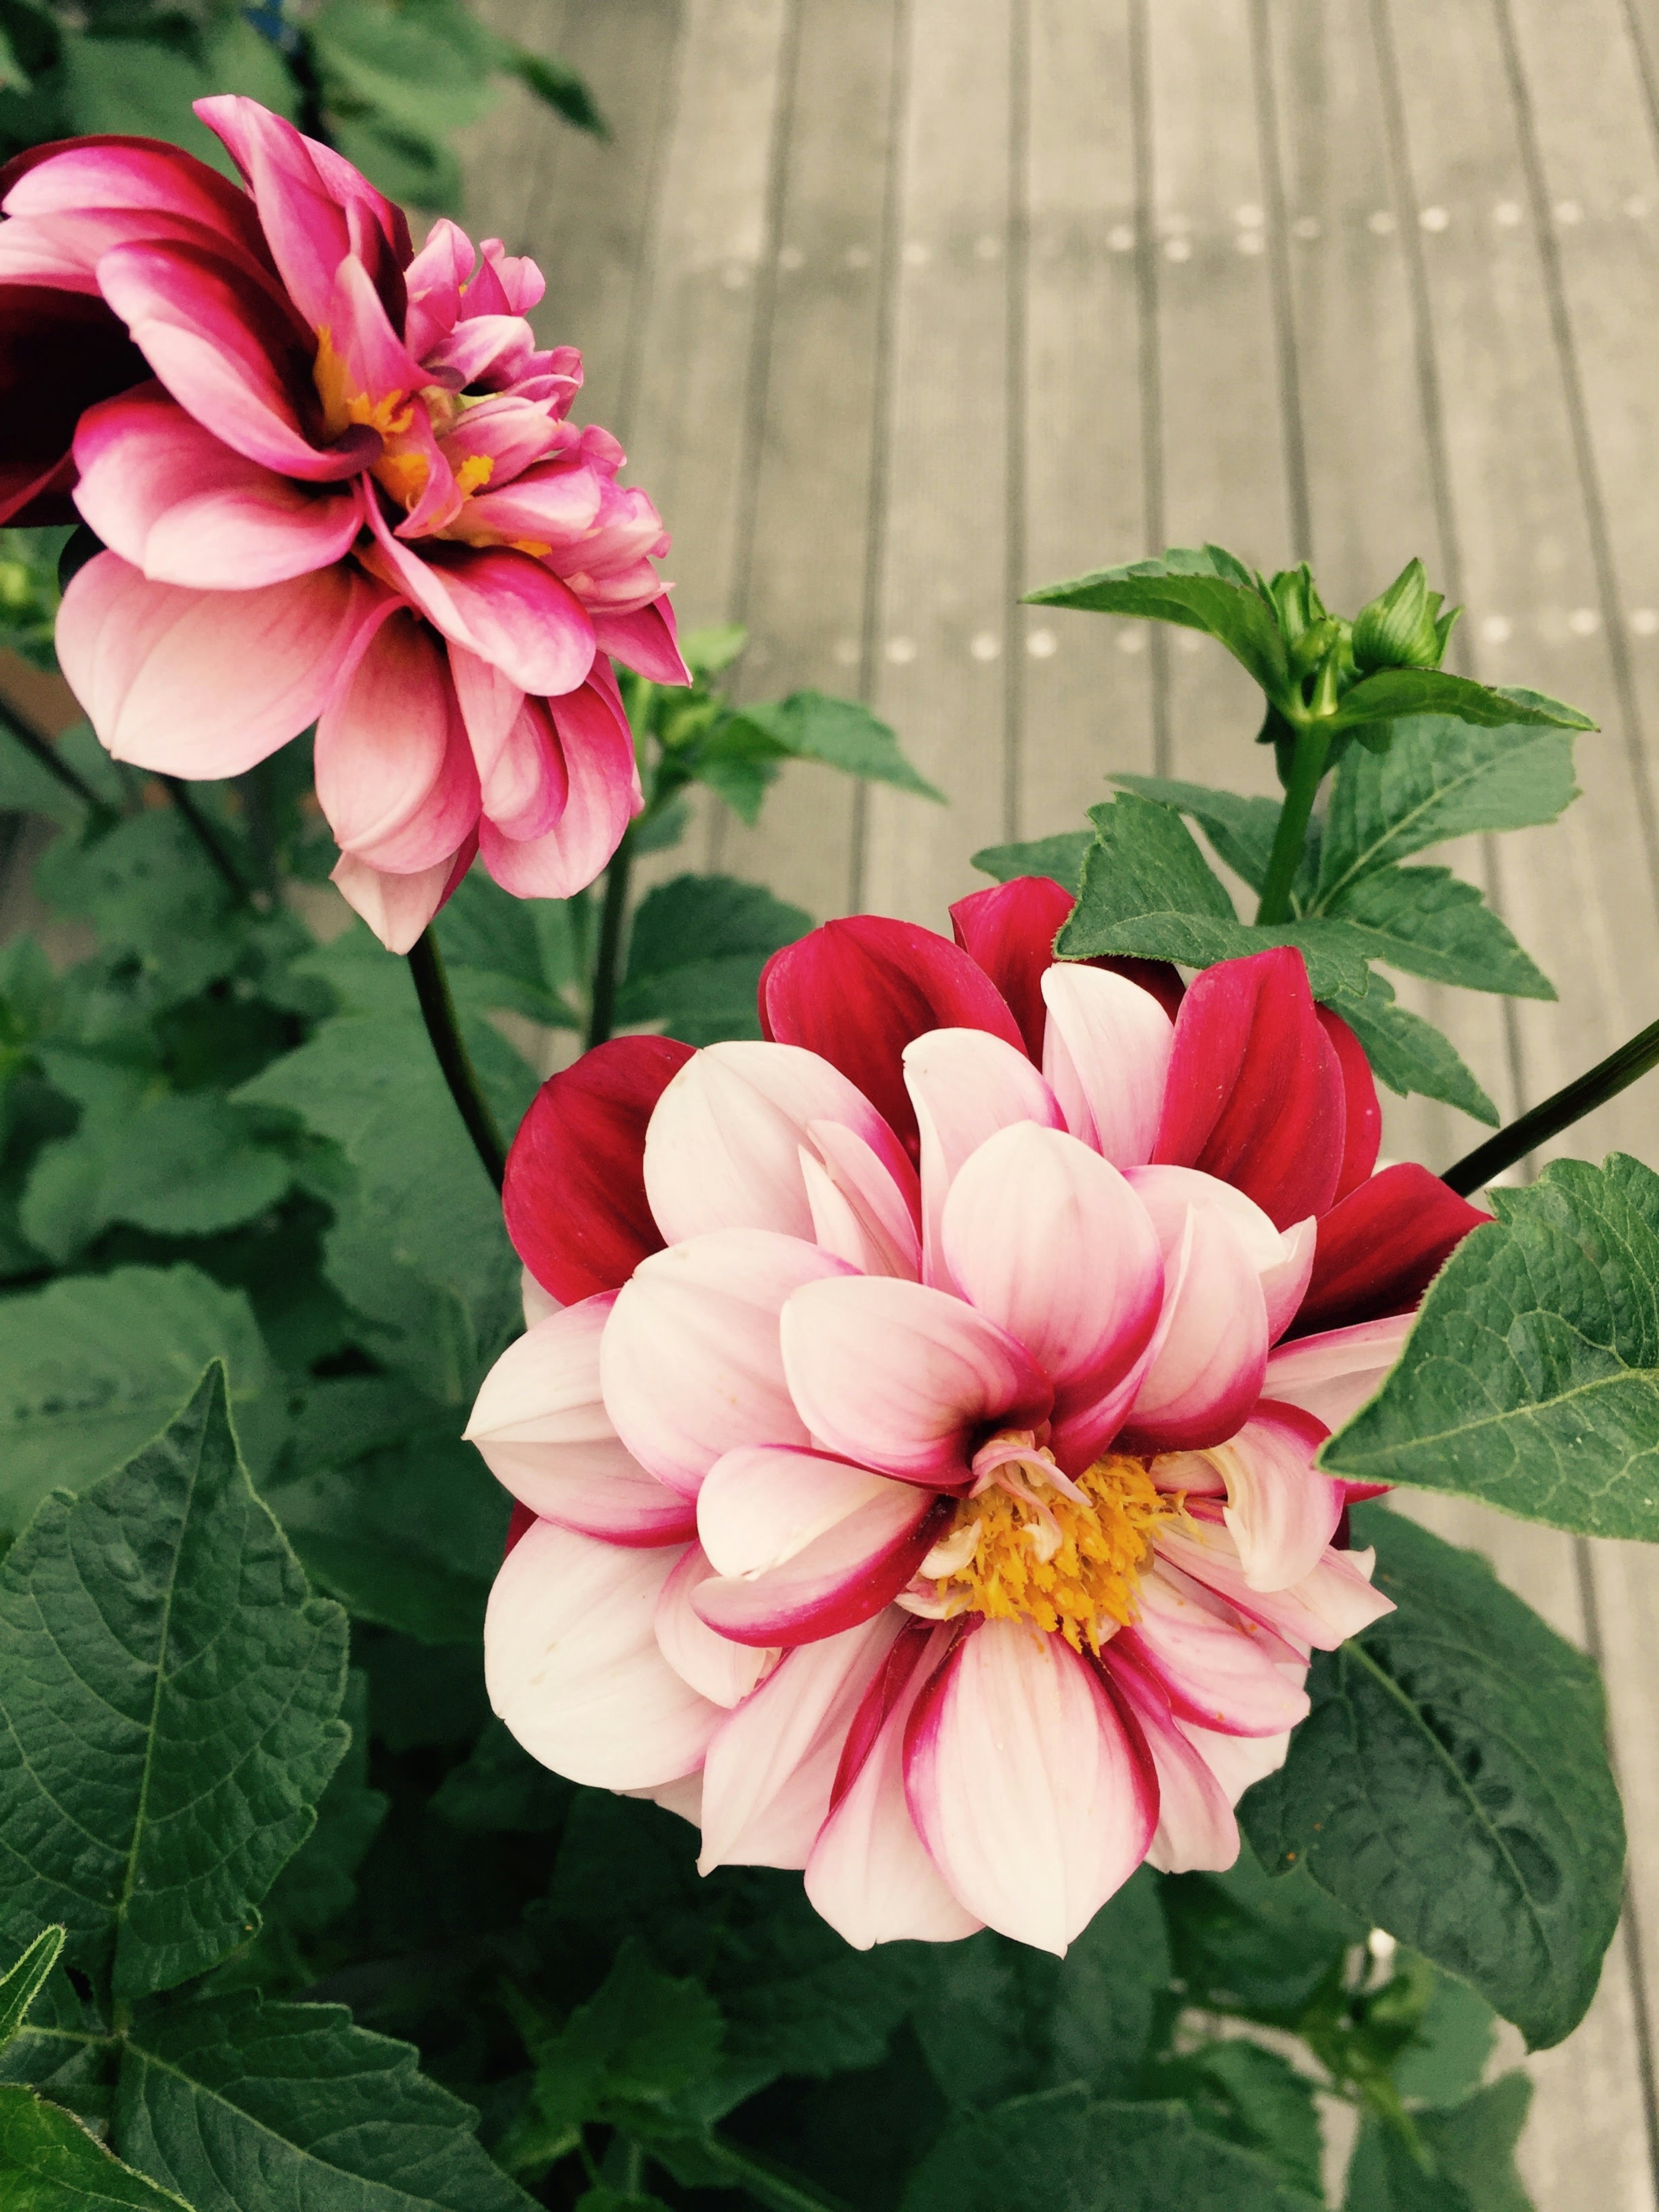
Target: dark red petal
(520,1523)
(1009,931)
(574,1196)
(857,992)
(1380,1249)
(892,1679)
(1254,1094)
(60,353)
(1362,1129)
(1161,977)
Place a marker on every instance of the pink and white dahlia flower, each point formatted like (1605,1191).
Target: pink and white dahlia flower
(915,1452)
(337,486)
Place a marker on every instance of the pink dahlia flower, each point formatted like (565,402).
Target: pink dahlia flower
(915,1452)
(337,486)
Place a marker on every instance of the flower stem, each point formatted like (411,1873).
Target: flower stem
(36,743)
(759,2178)
(208,838)
(1560,1111)
(603,1003)
(438,1009)
(1307,766)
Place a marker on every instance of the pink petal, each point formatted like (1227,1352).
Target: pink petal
(646,640)
(1332,1375)
(1218,1669)
(772,1765)
(398,908)
(1009,931)
(1382,1246)
(1032,1790)
(1281,1510)
(1196,1827)
(60,353)
(170,499)
(574,1198)
(573,1667)
(205,683)
(866,1201)
(1211,1351)
(541,1426)
(1283,1259)
(394,772)
(142,174)
(1322,1611)
(1047,1240)
(691,1364)
(1238,1761)
(717,1668)
(805,1546)
(869,1874)
(528,789)
(432,283)
(373,359)
(1106,1058)
(965,1086)
(1362,1121)
(553,501)
(602,795)
(723,1150)
(904,1378)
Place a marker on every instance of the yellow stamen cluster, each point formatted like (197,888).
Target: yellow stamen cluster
(1045,1558)
(391,415)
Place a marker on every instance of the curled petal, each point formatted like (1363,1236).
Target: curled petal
(904,1378)
(1009,931)
(143,175)
(602,795)
(646,640)
(771,1766)
(1281,1510)
(1332,1375)
(1326,1608)
(1030,1786)
(573,1667)
(1107,1060)
(1283,1259)
(691,1362)
(1382,1246)
(717,1668)
(398,908)
(574,1197)
(394,773)
(865,1202)
(1210,1350)
(1220,1669)
(1238,1761)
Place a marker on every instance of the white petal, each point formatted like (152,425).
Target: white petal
(1106,1054)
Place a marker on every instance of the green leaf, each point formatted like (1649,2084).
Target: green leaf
(160,1624)
(1448,2054)
(1474,2144)
(1203,589)
(92,1366)
(1408,1053)
(500,1789)
(422,70)
(240,2105)
(1254,2097)
(19,1987)
(319,1882)
(238,59)
(50,2163)
(1061,857)
(408,166)
(1392,693)
(1451,1784)
(504,952)
(1430,923)
(696,954)
(706,652)
(1065,2148)
(842,733)
(561,87)
(997,2018)
(1439,779)
(1531,1378)
(631,2050)
(126,85)
(1241,829)
(1246,1942)
(154,901)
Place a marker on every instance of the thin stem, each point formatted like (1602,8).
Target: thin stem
(633,2167)
(759,2178)
(438,1009)
(1307,766)
(36,743)
(208,838)
(603,1003)
(1560,1111)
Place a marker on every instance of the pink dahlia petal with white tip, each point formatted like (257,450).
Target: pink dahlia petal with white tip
(902,1377)
(205,683)
(878,1187)
(1032,1789)
(965,1085)
(1195,1825)
(1326,1608)
(1281,1511)
(1106,1054)
(1047,1239)
(691,1363)
(723,1150)
(1332,1376)
(1284,1258)
(573,1667)
(1217,1669)
(772,1765)
(805,1546)
(716,1668)
(541,1425)
(398,908)
(1210,1350)
(870,1875)
(172,498)
(394,772)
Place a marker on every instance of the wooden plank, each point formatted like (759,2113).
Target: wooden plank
(944,619)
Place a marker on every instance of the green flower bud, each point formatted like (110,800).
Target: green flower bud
(1403,627)
(1297,602)
(1321,638)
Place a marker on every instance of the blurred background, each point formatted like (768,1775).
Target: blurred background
(904,306)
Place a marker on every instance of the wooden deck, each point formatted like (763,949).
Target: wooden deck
(903,306)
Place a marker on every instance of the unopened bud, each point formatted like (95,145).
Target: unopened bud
(1314,645)
(1403,627)
(1296,603)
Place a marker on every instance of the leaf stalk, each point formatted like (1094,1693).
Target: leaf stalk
(438,1011)
(602,1006)
(1559,1111)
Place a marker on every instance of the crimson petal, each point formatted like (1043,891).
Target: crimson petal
(1382,1246)
(1363,1130)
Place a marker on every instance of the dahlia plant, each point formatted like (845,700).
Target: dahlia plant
(918,1409)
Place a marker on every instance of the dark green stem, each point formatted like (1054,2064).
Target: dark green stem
(759,2178)
(208,838)
(1560,1111)
(438,1008)
(36,743)
(603,1003)
(1307,766)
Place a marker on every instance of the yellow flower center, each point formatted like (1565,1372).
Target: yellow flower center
(391,415)
(1024,1550)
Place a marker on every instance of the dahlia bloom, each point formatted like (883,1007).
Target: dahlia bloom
(337,486)
(915,1447)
